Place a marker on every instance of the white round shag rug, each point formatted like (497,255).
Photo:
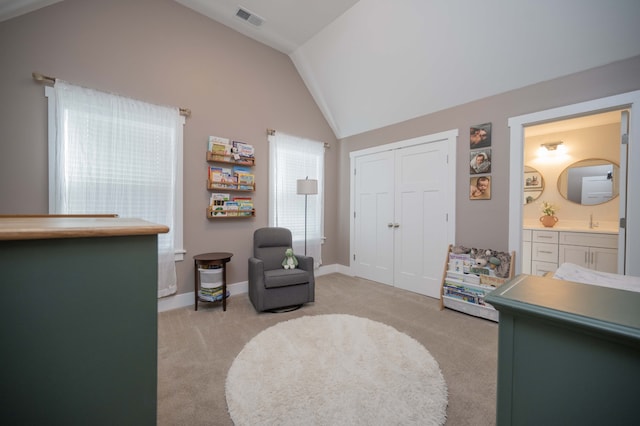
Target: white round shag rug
(335,370)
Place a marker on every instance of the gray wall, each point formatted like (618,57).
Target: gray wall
(485,223)
(161,52)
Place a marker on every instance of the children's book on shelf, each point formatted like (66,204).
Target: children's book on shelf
(245,178)
(223,180)
(239,169)
(218,211)
(218,199)
(219,142)
(211,296)
(231,208)
(245,181)
(217,174)
(470,274)
(219,146)
(243,149)
(216,298)
(245,206)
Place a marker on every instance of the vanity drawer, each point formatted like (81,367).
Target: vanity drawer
(545,237)
(544,252)
(541,268)
(589,239)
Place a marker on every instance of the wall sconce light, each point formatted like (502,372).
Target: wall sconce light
(551,146)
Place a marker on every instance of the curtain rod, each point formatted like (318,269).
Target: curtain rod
(45,79)
(272,132)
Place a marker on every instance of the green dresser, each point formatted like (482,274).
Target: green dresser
(78,309)
(568,353)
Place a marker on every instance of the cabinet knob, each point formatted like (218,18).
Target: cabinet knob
(389,225)
(396,225)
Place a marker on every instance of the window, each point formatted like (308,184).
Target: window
(110,154)
(292,158)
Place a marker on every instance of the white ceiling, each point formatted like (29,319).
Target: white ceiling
(12,8)
(288,23)
(372,63)
(570,124)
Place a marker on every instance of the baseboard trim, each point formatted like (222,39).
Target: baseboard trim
(187,299)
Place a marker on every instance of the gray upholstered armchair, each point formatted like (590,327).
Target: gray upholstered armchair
(270,285)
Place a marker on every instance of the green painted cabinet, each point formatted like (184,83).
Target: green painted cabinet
(568,353)
(79,330)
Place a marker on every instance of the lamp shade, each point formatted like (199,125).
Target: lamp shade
(307,186)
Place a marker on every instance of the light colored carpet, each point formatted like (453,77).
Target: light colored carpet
(197,348)
(335,370)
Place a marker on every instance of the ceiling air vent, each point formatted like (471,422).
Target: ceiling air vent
(250,17)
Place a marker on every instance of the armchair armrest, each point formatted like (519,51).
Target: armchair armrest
(305,263)
(256,280)
(256,269)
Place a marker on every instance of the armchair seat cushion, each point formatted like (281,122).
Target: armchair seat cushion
(285,277)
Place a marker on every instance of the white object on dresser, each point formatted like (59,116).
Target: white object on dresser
(576,273)
(548,249)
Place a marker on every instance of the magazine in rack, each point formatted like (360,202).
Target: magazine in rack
(471,274)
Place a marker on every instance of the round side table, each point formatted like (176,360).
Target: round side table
(211,259)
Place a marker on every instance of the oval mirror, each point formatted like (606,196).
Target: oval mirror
(589,182)
(533,184)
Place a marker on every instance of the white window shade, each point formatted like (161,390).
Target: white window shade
(111,154)
(292,159)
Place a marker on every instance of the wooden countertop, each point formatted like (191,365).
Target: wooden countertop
(55,226)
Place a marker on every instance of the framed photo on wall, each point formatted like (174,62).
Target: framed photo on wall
(480,188)
(532,180)
(480,136)
(480,161)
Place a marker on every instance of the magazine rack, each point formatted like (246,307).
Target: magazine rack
(465,285)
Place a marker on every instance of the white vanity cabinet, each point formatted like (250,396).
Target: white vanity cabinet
(544,250)
(526,251)
(593,251)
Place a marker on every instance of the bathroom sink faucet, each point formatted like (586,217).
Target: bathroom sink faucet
(592,224)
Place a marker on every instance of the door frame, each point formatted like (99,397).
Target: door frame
(451,136)
(629,243)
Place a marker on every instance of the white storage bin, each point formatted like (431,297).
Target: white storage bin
(210,278)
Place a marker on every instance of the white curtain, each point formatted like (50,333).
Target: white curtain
(113,154)
(292,158)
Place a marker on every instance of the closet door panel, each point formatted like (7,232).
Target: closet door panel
(421,217)
(374,217)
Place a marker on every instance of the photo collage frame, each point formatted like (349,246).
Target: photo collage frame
(480,162)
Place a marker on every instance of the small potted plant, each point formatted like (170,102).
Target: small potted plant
(548,217)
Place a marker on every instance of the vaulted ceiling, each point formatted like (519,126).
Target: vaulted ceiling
(372,63)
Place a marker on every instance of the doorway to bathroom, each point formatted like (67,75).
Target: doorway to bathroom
(626,177)
(572,173)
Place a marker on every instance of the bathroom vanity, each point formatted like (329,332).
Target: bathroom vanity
(544,249)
